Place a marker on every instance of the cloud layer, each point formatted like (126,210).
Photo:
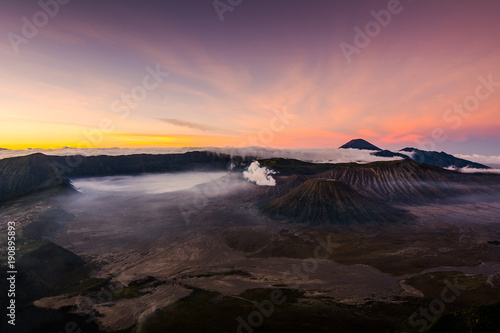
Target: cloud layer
(472,170)
(309,155)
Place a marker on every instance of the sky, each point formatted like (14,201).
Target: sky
(273,73)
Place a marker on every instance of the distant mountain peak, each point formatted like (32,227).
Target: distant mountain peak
(359,144)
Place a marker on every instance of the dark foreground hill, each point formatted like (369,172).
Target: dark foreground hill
(22,175)
(326,201)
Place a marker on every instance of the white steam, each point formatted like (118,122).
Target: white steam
(259,175)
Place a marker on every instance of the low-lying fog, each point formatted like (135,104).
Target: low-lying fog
(127,212)
(146,183)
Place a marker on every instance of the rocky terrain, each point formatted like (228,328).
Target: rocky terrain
(327,201)
(207,258)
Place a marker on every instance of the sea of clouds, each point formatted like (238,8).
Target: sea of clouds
(332,155)
(326,155)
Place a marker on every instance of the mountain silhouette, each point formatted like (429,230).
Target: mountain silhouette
(359,144)
(440,159)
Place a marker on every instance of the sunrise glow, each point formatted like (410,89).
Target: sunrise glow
(175,75)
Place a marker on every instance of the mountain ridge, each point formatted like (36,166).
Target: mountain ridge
(440,159)
(398,181)
(326,201)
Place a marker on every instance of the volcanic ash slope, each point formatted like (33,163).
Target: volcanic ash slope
(326,201)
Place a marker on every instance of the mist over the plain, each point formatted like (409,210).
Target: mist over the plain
(120,212)
(147,183)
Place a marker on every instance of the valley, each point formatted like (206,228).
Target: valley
(216,249)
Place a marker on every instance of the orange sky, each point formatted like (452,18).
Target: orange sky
(229,83)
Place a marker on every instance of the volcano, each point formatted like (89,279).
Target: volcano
(359,144)
(326,201)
